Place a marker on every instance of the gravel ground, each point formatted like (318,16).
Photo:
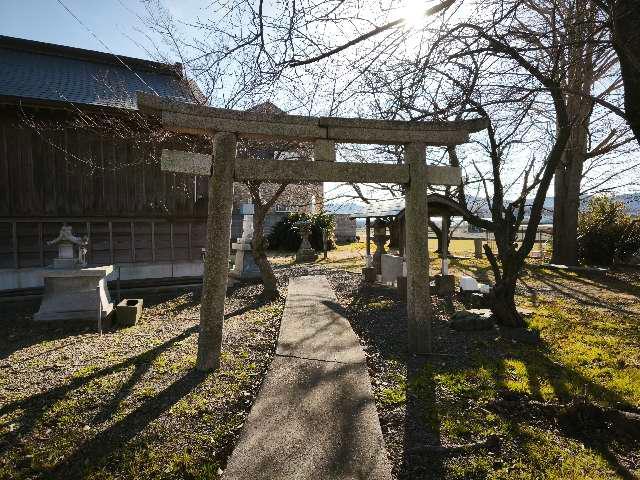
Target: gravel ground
(129,404)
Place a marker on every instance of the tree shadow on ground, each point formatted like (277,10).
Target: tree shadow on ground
(379,317)
(580,295)
(612,280)
(462,354)
(95,452)
(18,330)
(33,408)
(568,385)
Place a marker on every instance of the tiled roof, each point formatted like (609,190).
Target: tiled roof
(41,71)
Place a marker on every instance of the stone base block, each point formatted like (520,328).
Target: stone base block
(445,285)
(307,255)
(129,311)
(245,265)
(78,295)
(369,274)
(473,319)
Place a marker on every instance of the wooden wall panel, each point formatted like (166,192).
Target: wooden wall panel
(122,243)
(100,251)
(6,245)
(162,241)
(143,243)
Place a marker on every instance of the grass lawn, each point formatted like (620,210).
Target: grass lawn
(480,384)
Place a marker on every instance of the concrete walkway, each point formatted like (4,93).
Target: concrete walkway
(315,416)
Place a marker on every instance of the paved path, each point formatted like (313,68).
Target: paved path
(315,416)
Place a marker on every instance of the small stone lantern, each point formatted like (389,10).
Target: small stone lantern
(66,241)
(380,237)
(305,253)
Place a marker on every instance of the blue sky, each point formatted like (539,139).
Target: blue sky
(113,21)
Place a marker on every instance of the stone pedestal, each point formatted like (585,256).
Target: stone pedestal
(369,274)
(75,294)
(245,266)
(305,253)
(445,285)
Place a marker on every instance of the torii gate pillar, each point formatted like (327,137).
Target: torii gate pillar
(216,265)
(417,253)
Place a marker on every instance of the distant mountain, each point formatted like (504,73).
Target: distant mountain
(631,201)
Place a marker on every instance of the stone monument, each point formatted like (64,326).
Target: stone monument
(71,290)
(245,265)
(305,253)
(380,237)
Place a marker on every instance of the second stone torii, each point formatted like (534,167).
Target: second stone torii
(226,126)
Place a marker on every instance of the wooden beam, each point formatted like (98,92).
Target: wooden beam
(41,244)
(153,241)
(14,242)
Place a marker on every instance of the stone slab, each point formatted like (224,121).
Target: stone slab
(97,272)
(312,420)
(313,326)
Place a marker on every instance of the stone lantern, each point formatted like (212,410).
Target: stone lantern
(305,253)
(67,243)
(380,237)
(245,265)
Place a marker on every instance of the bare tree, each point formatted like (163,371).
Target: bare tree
(259,242)
(487,68)
(623,21)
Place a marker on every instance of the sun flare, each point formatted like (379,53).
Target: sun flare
(413,13)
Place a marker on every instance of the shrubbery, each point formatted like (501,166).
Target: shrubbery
(285,237)
(606,232)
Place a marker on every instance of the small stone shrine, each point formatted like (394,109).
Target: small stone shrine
(71,290)
(305,253)
(245,265)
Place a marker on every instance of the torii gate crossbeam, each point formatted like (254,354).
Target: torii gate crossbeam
(226,126)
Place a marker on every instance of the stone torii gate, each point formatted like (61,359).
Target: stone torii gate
(227,126)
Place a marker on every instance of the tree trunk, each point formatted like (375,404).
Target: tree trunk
(503,303)
(579,77)
(258,245)
(625,19)
(502,296)
(566,204)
